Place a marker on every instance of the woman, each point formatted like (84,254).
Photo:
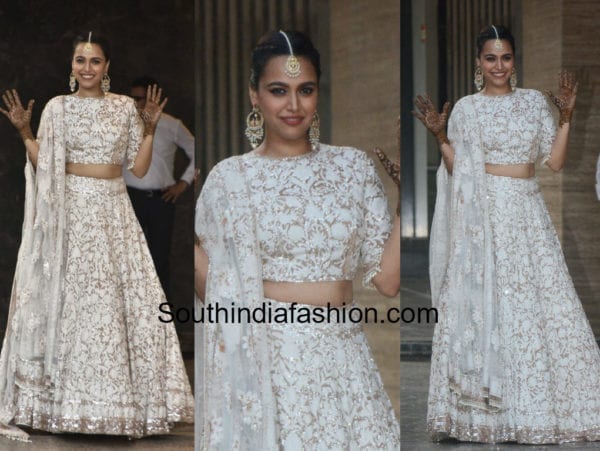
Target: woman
(84,350)
(514,358)
(284,228)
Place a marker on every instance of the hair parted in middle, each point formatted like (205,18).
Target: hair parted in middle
(274,44)
(489,32)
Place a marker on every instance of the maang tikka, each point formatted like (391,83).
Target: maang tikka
(88,45)
(498,43)
(292,65)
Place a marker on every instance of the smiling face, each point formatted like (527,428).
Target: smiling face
(89,65)
(287,104)
(496,65)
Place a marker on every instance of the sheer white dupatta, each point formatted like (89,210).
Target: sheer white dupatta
(29,348)
(462,266)
(238,405)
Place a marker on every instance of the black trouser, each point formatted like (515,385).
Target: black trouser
(156,218)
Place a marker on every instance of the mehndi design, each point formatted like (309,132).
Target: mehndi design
(567,92)
(434,122)
(19,117)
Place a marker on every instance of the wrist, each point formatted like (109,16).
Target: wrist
(26,133)
(565,117)
(149,129)
(441,138)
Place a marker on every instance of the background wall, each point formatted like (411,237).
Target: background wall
(147,37)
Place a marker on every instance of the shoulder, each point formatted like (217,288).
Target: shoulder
(56,102)
(169,122)
(343,154)
(121,101)
(168,119)
(460,104)
(224,177)
(357,163)
(225,167)
(533,98)
(530,93)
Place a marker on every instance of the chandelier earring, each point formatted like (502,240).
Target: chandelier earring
(478,80)
(72,82)
(254,127)
(105,83)
(314,131)
(513,79)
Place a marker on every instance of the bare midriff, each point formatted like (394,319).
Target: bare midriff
(335,293)
(98,171)
(520,171)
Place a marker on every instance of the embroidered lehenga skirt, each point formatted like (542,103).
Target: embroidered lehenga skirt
(119,369)
(328,390)
(550,359)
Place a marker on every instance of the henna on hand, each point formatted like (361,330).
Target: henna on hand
(392,167)
(153,109)
(567,93)
(18,116)
(434,122)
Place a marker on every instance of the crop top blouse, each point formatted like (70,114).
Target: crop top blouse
(104,130)
(320,216)
(516,128)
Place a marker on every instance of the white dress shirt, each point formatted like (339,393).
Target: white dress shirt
(170,134)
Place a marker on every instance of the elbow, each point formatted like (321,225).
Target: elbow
(139,173)
(387,286)
(555,166)
(390,291)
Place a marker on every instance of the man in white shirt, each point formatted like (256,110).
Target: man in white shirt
(154,195)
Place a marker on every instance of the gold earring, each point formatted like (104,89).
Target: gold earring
(254,127)
(314,132)
(478,80)
(513,79)
(105,83)
(72,82)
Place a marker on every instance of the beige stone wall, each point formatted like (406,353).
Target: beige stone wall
(542,59)
(563,33)
(365,105)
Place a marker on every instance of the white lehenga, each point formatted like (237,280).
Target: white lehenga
(514,357)
(308,386)
(104,364)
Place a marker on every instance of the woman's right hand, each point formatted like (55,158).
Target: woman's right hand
(19,117)
(434,122)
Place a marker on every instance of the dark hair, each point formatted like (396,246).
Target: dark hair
(96,38)
(144,82)
(488,33)
(274,44)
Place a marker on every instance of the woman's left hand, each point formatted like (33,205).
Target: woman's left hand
(567,93)
(392,168)
(151,112)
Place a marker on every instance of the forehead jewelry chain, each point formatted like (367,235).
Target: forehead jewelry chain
(88,46)
(498,44)
(292,65)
